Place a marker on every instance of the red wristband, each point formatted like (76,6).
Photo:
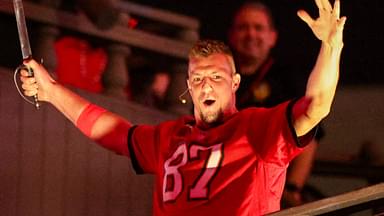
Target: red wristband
(88,117)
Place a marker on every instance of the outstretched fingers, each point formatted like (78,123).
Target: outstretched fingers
(319,4)
(336,9)
(323,6)
(336,14)
(305,17)
(326,5)
(328,26)
(341,22)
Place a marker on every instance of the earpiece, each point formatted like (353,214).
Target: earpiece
(181,96)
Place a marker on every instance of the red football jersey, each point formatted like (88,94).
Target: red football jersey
(235,168)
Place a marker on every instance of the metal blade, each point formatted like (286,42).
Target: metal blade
(22,29)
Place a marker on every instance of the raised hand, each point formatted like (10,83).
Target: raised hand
(328,27)
(38,84)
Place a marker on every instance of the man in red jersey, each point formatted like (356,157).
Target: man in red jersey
(220,161)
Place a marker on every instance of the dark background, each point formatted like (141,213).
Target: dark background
(362,61)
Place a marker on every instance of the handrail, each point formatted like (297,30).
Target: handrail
(339,202)
(118,33)
(160,15)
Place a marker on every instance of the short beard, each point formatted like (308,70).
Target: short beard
(213,119)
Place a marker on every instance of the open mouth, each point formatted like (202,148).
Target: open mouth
(209,102)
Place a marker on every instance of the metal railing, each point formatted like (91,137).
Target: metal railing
(355,201)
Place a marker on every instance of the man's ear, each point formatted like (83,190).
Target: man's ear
(236,81)
(273,36)
(188,85)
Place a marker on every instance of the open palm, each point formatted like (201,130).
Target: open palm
(328,26)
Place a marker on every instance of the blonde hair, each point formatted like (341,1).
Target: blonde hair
(207,47)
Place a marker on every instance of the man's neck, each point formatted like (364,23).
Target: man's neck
(223,118)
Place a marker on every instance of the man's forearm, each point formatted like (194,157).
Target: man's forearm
(67,102)
(323,81)
(104,127)
(321,88)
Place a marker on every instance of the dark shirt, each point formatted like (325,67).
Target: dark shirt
(270,85)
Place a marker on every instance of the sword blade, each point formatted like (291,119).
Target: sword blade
(22,29)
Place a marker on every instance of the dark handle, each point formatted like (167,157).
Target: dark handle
(30,74)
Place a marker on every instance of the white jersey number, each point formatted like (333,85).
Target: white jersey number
(200,188)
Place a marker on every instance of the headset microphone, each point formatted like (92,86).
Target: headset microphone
(181,97)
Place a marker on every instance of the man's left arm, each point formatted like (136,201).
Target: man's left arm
(322,82)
